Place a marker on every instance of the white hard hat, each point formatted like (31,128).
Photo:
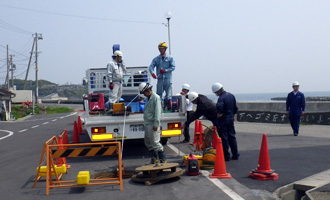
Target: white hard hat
(117,53)
(192,96)
(216,87)
(186,86)
(143,87)
(295,83)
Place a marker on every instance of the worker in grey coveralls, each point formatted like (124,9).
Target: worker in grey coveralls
(165,65)
(116,69)
(151,116)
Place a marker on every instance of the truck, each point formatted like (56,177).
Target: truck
(125,121)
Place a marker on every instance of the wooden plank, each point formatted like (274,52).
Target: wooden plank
(149,180)
(154,167)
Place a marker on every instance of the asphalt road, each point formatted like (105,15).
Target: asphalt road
(293,158)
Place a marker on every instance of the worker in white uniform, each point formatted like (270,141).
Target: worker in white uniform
(151,116)
(185,92)
(116,69)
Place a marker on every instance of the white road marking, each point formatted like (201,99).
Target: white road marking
(176,150)
(45,123)
(22,130)
(232,194)
(35,126)
(54,120)
(10,134)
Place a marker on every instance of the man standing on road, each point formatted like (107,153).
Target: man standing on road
(165,65)
(295,107)
(116,69)
(226,110)
(152,112)
(185,92)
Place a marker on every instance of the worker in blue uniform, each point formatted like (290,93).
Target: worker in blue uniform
(295,107)
(226,110)
(165,65)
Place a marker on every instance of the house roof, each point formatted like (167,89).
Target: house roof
(6,93)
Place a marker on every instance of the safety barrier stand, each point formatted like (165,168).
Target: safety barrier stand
(41,172)
(81,150)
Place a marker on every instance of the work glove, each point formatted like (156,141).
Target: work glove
(162,71)
(111,86)
(154,76)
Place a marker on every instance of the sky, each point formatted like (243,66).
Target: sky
(253,46)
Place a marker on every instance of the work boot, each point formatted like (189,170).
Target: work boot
(154,157)
(162,157)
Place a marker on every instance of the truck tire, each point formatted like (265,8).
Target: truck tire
(163,140)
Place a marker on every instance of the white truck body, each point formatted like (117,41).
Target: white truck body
(102,126)
(22,96)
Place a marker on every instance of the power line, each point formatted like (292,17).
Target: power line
(15,51)
(10,27)
(79,16)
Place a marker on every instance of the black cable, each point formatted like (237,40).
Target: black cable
(77,16)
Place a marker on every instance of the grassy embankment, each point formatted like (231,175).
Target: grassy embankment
(20,111)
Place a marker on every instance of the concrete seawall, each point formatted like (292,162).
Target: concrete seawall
(275,112)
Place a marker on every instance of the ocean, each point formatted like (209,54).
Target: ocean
(266,97)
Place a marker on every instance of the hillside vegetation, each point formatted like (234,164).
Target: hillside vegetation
(47,88)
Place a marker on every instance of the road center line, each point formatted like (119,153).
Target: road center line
(35,126)
(10,134)
(232,194)
(45,123)
(22,130)
(54,120)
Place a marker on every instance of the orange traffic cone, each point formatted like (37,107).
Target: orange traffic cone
(75,138)
(80,130)
(196,134)
(65,137)
(214,137)
(201,136)
(61,161)
(264,172)
(219,165)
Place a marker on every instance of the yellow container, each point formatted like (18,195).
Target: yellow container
(59,170)
(83,178)
(118,108)
(200,159)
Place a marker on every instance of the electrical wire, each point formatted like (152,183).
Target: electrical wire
(10,27)
(79,16)
(14,51)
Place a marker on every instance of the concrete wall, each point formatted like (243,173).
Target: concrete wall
(275,112)
(281,107)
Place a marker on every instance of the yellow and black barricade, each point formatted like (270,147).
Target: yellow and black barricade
(55,150)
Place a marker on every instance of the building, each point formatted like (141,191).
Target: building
(5,104)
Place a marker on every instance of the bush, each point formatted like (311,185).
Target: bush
(22,111)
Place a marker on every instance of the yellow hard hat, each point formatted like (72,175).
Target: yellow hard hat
(162,45)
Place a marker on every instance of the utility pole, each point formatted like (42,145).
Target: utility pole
(12,69)
(7,78)
(36,38)
(28,69)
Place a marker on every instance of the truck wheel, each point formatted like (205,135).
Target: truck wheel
(164,140)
